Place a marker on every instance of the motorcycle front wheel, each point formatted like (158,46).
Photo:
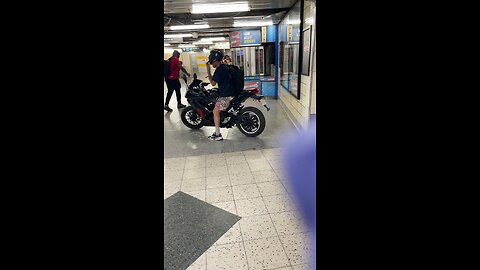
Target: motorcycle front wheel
(252,122)
(191,119)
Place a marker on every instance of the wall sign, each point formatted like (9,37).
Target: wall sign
(306,35)
(245,38)
(283,33)
(196,49)
(221,46)
(235,39)
(271,33)
(251,37)
(295,34)
(264,34)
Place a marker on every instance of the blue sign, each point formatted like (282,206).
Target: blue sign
(251,37)
(271,33)
(283,33)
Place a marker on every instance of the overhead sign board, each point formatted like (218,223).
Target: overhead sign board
(251,37)
(245,38)
(236,39)
(221,45)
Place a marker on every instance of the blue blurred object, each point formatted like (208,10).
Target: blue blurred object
(300,162)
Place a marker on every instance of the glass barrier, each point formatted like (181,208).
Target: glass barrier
(289,50)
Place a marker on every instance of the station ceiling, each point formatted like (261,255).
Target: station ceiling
(177,12)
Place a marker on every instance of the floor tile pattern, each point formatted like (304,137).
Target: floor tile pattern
(252,185)
(191,227)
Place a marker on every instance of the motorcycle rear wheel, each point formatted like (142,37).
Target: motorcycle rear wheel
(254,123)
(191,119)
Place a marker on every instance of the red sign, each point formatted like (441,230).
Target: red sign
(235,39)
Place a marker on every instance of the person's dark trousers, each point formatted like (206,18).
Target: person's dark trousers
(173,85)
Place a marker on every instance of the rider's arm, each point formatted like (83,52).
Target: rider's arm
(210,78)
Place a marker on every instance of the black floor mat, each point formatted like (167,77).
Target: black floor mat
(191,227)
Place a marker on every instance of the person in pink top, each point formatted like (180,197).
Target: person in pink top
(173,80)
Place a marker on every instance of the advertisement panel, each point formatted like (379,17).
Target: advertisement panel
(235,39)
(245,38)
(251,37)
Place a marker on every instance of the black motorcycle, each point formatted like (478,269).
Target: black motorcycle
(249,120)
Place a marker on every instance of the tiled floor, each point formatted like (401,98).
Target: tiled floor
(251,184)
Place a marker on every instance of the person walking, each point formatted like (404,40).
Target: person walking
(173,80)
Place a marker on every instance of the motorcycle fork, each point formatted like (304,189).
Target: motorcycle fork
(201,113)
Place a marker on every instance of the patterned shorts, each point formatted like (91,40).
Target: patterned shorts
(223,102)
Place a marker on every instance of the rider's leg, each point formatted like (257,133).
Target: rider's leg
(216,119)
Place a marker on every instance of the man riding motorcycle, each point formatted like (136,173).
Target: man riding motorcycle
(226,89)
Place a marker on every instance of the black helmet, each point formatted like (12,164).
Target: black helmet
(215,55)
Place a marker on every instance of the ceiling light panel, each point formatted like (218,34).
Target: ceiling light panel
(205,42)
(251,23)
(213,39)
(177,35)
(220,8)
(187,46)
(187,27)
